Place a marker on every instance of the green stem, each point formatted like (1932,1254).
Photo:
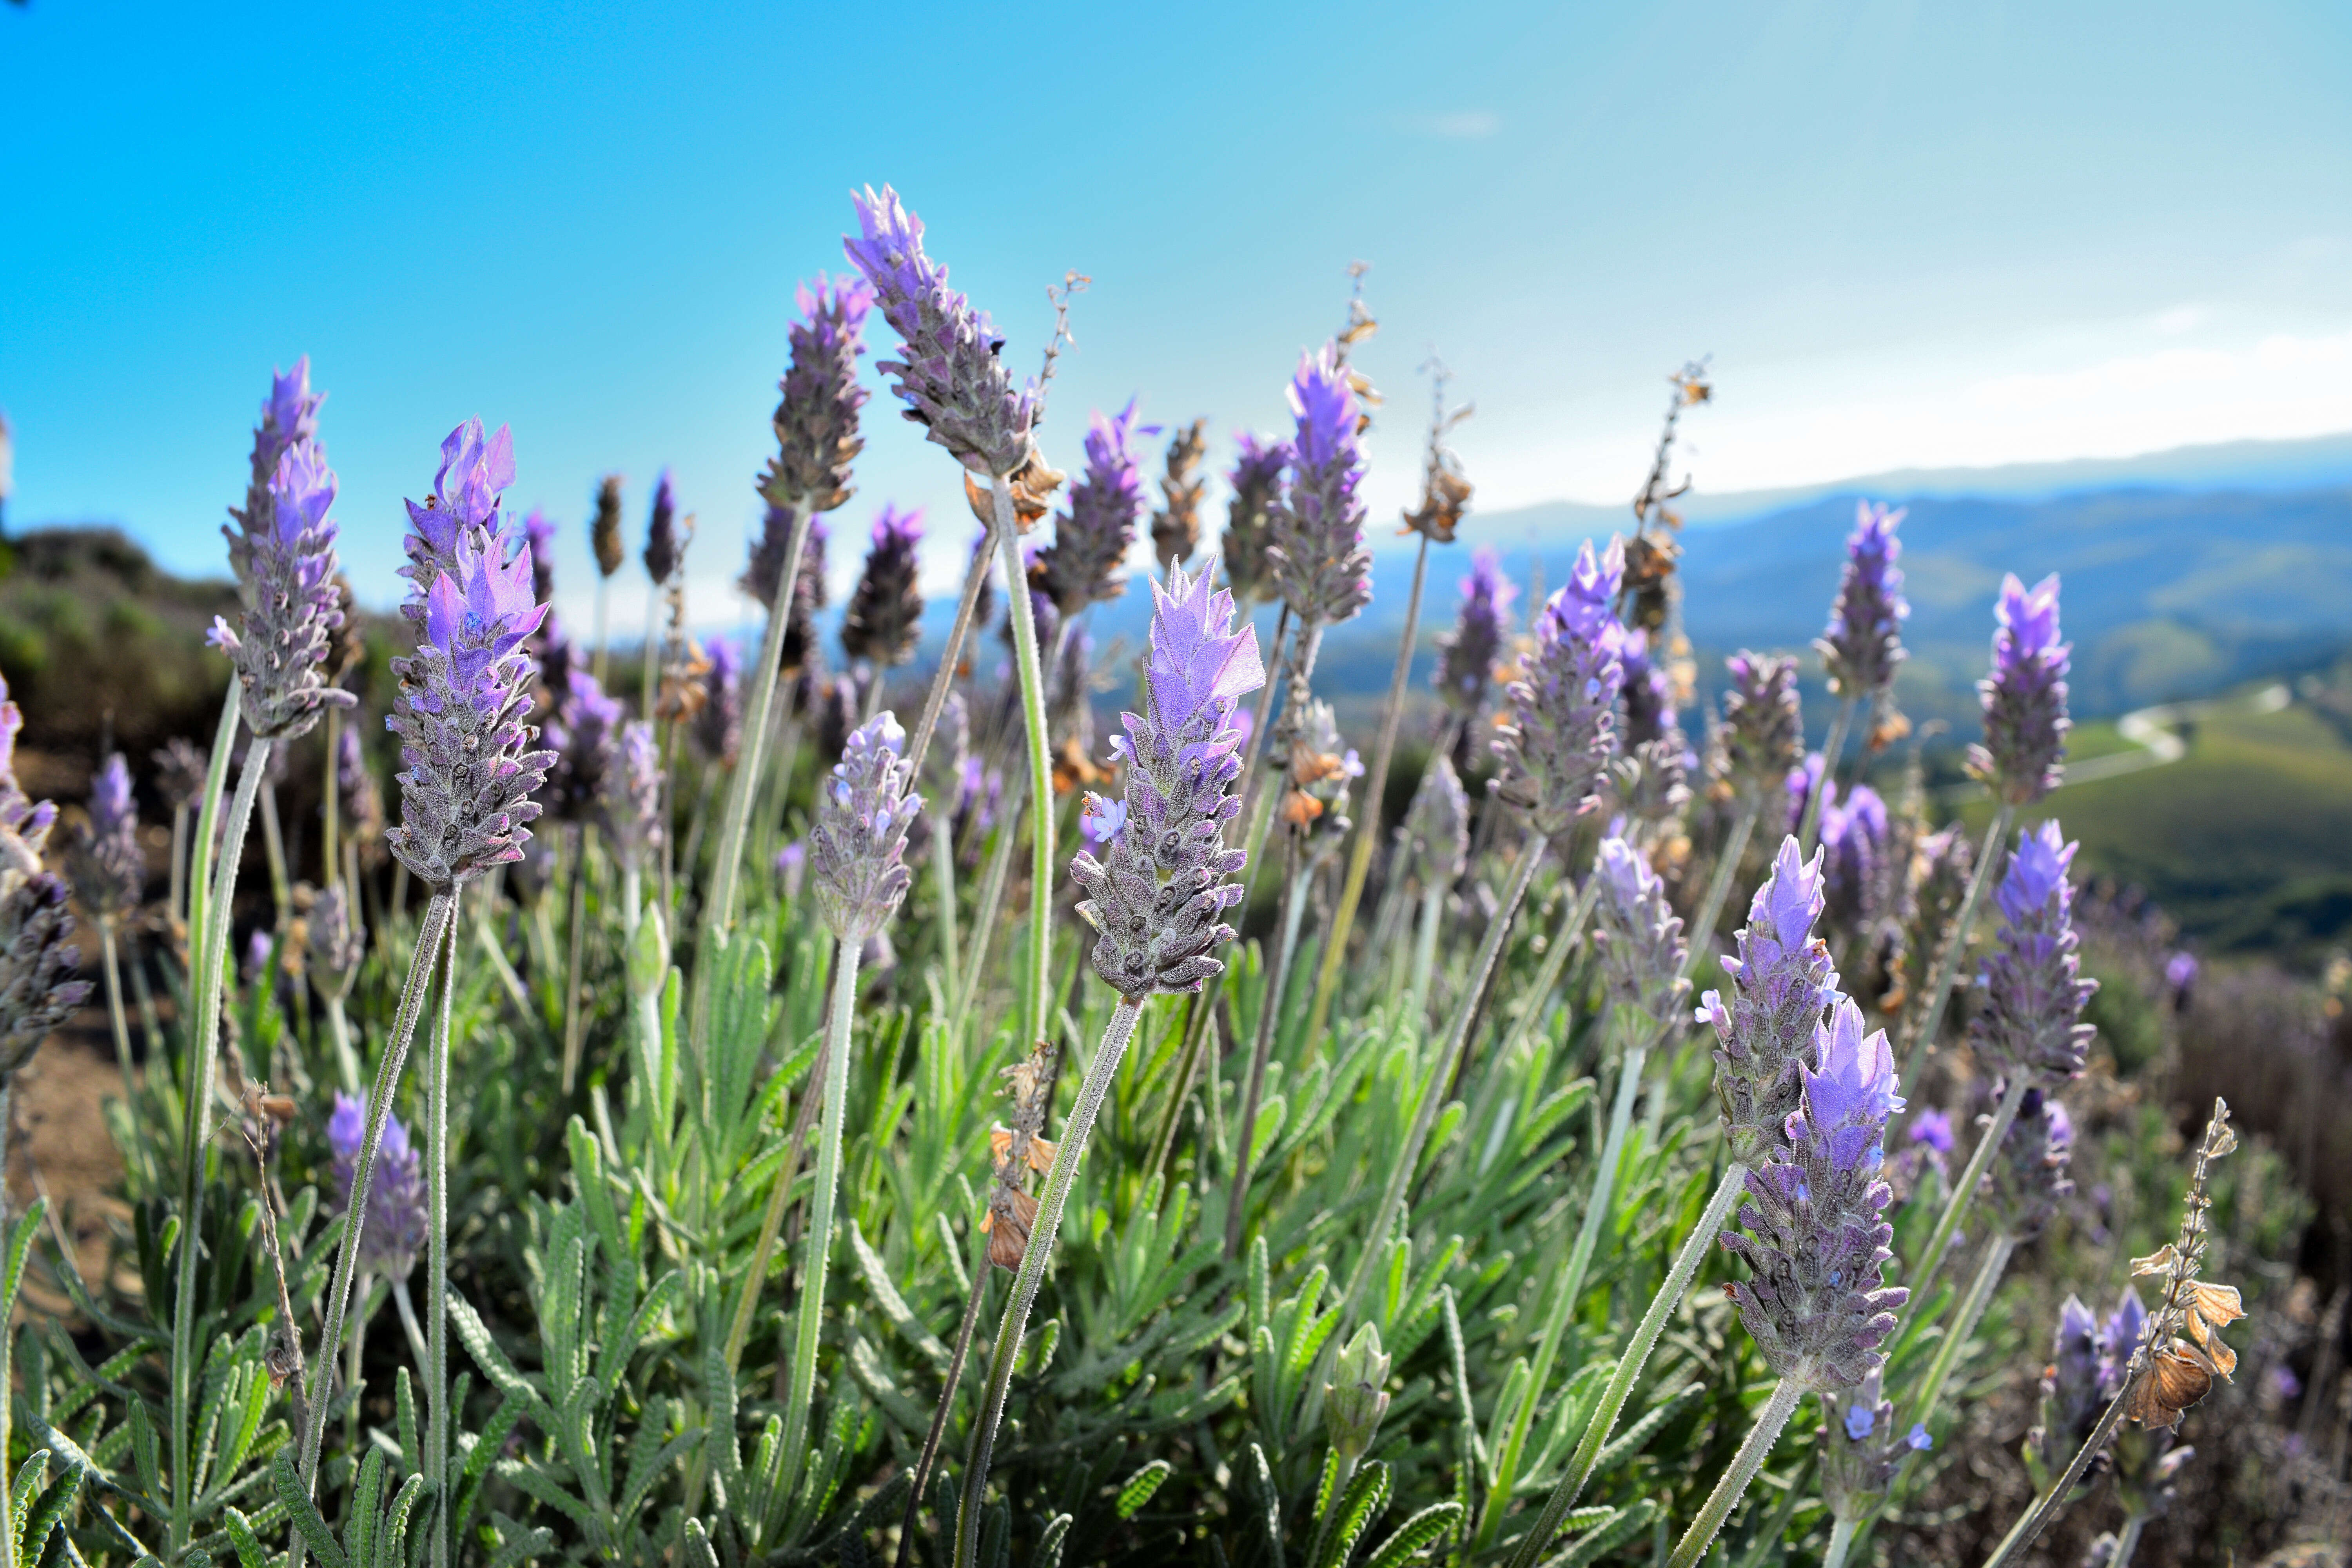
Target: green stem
(438,1424)
(929,1459)
(1718,887)
(2128,1541)
(943,882)
(1840,1542)
(346,1056)
(273,844)
(1040,987)
(575,1023)
(1629,1366)
(200,852)
(1269,1019)
(991,899)
(1743,1466)
(1956,945)
(1368,822)
(2048,1506)
(1964,1191)
(1972,1310)
(211,955)
(1808,832)
(114,1008)
(809,1312)
(1036,1259)
(718,914)
(975,577)
(1440,1073)
(1424,952)
(438,912)
(1565,1295)
(1556,956)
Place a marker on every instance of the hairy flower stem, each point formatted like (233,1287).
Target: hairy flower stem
(930,1457)
(439,1428)
(991,899)
(975,577)
(943,879)
(1269,1020)
(1039,987)
(2049,1504)
(1035,1260)
(211,952)
(808,1312)
(718,914)
(771,1217)
(1629,1362)
(1424,954)
(1921,1039)
(115,1015)
(200,851)
(1368,824)
(1964,1191)
(1809,833)
(575,1024)
(2127,1542)
(1562,946)
(1566,1293)
(1840,1542)
(1972,1310)
(1441,1072)
(1718,887)
(1743,1466)
(438,911)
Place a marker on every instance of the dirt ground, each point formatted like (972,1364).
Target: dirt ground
(59,1145)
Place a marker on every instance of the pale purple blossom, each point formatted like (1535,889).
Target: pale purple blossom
(953,378)
(1319,563)
(883,620)
(857,841)
(1558,736)
(1863,643)
(1467,651)
(2023,753)
(1763,725)
(1639,936)
(393,1231)
(1256,481)
(109,868)
(1158,895)
(2035,991)
(1781,983)
(1086,562)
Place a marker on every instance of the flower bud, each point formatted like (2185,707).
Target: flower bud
(1356,1399)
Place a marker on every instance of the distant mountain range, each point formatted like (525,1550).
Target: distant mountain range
(2184,572)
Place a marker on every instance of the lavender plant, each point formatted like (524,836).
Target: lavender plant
(1863,645)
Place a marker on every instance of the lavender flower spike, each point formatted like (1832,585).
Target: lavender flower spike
(395,1231)
(1860,1447)
(466,791)
(2024,697)
(2035,991)
(1639,935)
(885,618)
(1764,726)
(816,415)
(1158,891)
(25,823)
(1320,564)
(1086,565)
(284,551)
(662,549)
(631,790)
(953,379)
(1256,484)
(719,727)
(109,871)
(1781,983)
(1466,654)
(1818,1231)
(1433,839)
(1560,734)
(475,472)
(857,845)
(37,992)
(1865,640)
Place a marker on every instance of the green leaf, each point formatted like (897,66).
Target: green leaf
(249,1551)
(1366,1497)
(305,1514)
(1137,1489)
(1261,1475)
(1049,1542)
(1439,1518)
(893,1306)
(1630,1522)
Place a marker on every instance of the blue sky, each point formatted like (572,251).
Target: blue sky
(1910,235)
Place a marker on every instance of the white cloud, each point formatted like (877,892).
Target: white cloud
(2178,320)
